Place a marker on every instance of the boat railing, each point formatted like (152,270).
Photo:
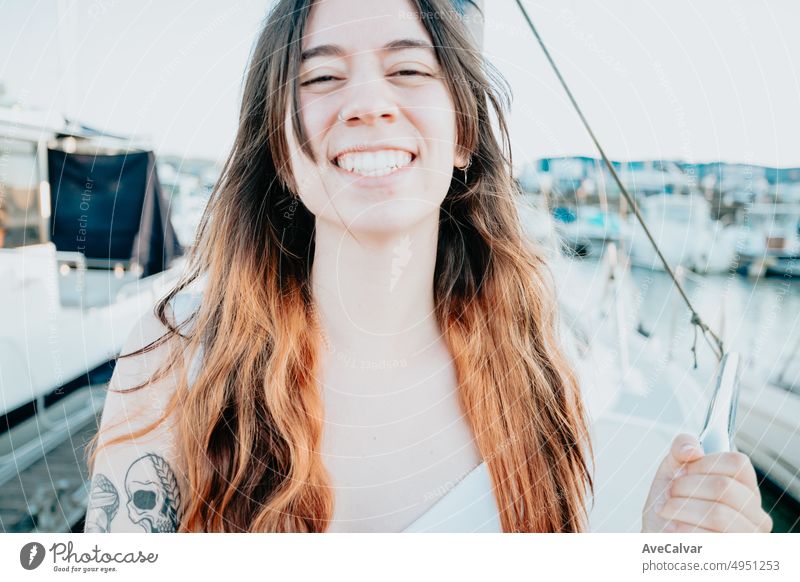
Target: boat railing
(24,443)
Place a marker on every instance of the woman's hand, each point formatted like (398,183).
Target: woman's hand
(695,492)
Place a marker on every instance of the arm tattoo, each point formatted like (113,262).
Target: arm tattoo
(103,505)
(153,495)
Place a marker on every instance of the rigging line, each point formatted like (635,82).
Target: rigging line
(696,320)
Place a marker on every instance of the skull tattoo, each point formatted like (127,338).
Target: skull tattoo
(153,495)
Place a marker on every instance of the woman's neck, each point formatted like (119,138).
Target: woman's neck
(374,295)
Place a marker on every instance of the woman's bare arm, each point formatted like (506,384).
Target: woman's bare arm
(135,485)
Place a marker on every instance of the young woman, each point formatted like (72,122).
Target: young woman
(364,328)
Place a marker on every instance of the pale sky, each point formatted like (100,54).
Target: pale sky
(693,80)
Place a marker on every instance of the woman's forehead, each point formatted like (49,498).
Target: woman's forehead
(358,25)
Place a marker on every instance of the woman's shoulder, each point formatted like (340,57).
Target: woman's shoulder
(150,345)
(183,309)
(184,304)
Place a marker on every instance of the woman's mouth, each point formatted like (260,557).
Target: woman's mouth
(374,164)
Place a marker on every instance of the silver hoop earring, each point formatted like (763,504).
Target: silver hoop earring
(464,169)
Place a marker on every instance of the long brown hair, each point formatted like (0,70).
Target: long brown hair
(249,430)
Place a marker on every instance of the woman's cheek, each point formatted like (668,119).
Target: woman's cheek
(432,122)
(307,174)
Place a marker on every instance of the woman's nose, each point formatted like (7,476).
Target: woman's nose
(369,102)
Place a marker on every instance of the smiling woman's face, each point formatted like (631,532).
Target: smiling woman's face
(370,84)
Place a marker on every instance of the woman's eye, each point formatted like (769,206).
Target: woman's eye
(409,72)
(402,73)
(317,80)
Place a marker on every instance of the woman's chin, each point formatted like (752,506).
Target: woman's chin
(388,218)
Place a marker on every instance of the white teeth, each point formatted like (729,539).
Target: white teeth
(373,164)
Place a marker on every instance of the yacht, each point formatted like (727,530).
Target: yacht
(589,228)
(86,247)
(767,425)
(684,231)
(769,240)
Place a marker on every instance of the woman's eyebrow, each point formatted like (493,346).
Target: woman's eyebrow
(325,50)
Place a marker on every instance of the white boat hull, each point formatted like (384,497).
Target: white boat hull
(44,344)
(768,430)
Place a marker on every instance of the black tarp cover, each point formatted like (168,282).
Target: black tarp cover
(111,208)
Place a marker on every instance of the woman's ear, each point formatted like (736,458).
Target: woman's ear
(462,157)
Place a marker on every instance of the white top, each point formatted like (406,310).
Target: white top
(470,506)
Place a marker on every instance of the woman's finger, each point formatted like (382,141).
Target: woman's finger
(684,449)
(716,517)
(723,489)
(733,464)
